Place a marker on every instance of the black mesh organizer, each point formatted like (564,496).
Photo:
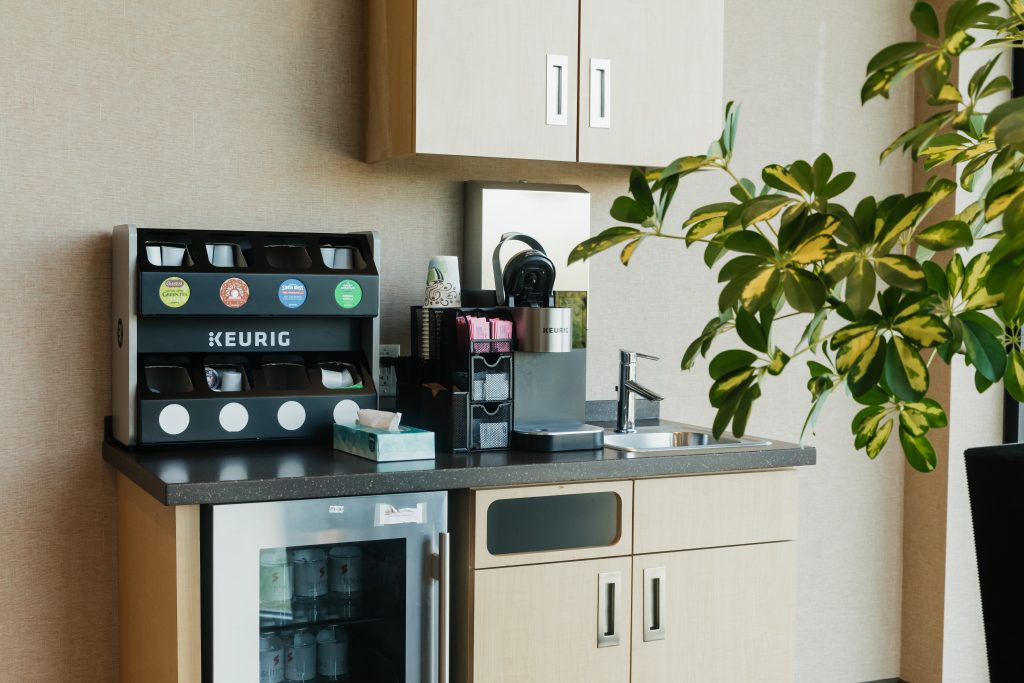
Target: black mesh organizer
(461,389)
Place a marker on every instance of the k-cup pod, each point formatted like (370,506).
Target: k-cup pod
(300,656)
(444,287)
(275,580)
(332,653)
(345,570)
(337,378)
(172,255)
(271,659)
(230,379)
(221,255)
(310,567)
(153,254)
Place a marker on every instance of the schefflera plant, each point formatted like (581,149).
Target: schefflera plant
(880,288)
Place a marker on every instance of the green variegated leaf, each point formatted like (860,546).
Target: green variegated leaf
(1013,380)
(849,351)
(948,94)
(933,413)
(730,361)
(984,351)
(739,266)
(724,387)
(760,290)
(605,240)
(628,210)
(913,422)
(893,53)
(955,273)
(706,213)
(750,331)
(878,439)
(901,271)
(1002,193)
(958,42)
(804,291)
(705,229)
(641,191)
(627,251)
(924,330)
(946,235)
(905,371)
(850,332)
(924,18)
(903,217)
(918,451)
(839,266)
(914,138)
(749,242)
(975,291)
(818,248)
(936,74)
(860,287)
(763,208)
(778,362)
(776,176)
(838,185)
(684,166)
(867,369)
(871,415)
(739,421)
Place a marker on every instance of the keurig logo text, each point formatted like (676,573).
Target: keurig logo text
(555,330)
(241,339)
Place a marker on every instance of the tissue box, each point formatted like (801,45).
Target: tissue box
(408,443)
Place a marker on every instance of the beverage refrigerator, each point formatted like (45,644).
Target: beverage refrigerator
(335,589)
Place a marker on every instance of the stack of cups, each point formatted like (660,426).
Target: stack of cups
(443,290)
(300,656)
(332,653)
(271,659)
(221,255)
(166,254)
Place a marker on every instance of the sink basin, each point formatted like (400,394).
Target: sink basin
(662,440)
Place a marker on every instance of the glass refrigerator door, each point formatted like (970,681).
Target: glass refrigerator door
(344,589)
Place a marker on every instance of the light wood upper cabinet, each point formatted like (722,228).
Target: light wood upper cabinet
(473,78)
(650,79)
(719,615)
(596,81)
(546,623)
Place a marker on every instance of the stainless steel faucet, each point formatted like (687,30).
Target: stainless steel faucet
(629,390)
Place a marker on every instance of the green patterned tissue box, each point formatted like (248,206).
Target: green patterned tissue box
(408,443)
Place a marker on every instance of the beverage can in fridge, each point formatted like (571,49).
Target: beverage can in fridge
(345,569)
(332,653)
(300,656)
(310,568)
(275,579)
(271,659)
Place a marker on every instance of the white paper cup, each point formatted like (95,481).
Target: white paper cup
(230,380)
(153,254)
(444,287)
(332,652)
(171,255)
(336,379)
(328,255)
(223,255)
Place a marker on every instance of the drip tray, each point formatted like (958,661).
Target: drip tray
(548,438)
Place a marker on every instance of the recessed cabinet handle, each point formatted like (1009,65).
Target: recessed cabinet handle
(600,93)
(654,604)
(609,599)
(558,89)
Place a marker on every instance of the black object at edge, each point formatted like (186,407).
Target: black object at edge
(206,590)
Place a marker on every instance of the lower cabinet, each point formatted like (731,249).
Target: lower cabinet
(677,580)
(567,621)
(720,615)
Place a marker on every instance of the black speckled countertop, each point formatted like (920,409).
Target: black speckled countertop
(226,473)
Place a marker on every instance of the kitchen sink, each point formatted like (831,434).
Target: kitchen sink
(667,441)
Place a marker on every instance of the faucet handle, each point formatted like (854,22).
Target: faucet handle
(631,356)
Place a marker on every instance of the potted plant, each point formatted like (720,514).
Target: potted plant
(881,290)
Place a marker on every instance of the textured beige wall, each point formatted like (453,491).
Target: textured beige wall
(247,114)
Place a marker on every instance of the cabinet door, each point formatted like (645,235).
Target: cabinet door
(721,615)
(483,74)
(650,79)
(548,623)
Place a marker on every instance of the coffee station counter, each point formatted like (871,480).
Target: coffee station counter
(239,473)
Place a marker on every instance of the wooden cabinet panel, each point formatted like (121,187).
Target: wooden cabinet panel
(610,526)
(663,63)
(540,623)
(727,615)
(713,510)
(470,78)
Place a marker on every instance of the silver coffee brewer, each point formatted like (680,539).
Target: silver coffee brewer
(550,378)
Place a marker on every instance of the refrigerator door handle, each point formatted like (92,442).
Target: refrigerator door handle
(444,599)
